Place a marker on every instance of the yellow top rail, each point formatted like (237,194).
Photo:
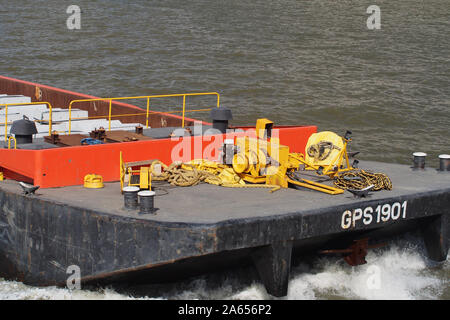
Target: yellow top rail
(27,104)
(184,95)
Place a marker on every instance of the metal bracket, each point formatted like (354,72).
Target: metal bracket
(356,253)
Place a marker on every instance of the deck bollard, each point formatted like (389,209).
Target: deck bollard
(130,197)
(419,160)
(444,162)
(146,202)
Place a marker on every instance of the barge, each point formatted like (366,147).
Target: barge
(194,229)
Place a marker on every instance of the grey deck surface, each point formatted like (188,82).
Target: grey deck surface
(205,204)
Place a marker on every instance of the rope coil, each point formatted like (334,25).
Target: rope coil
(176,175)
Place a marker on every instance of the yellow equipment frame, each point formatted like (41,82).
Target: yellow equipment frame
(334,168)
(248,166)
(144,172)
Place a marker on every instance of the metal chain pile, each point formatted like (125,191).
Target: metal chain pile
(361,179)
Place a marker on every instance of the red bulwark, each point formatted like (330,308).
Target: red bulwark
(67,166)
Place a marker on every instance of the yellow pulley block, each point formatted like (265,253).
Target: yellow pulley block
(93,181)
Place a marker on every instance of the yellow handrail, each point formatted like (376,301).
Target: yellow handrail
(9,142)
(27,104)
(184,95)
(139,114)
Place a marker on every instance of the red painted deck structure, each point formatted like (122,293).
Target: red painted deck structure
(67,166)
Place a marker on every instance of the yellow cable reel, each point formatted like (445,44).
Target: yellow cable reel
(323,148)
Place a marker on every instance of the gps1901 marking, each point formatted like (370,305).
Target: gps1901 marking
(383,213)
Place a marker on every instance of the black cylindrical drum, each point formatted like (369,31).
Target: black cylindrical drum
(220,118)
(146,202)
(419,160)
(130,197)
(444,162)
(22,139)
(221,125)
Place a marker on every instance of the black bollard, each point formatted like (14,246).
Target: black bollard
(146,202)
(444,162)
(419,160)
(130,197)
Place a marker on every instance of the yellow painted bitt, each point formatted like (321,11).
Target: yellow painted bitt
(93,181)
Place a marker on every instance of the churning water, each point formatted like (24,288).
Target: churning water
(293,61)
(401,269)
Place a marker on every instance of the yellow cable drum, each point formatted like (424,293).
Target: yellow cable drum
(251,162)
(323,148)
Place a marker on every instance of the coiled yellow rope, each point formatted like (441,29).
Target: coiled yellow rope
(187,174)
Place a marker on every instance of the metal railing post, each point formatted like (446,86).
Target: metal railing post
(6,122)
(70,116)
(148,109)
(9,142)
(184,108)
(50,120)
(109,117)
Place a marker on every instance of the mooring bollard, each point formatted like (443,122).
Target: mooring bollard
(444,162)
(130,197)
(146,202)
(419,160)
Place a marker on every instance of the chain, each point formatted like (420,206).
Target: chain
(362,179)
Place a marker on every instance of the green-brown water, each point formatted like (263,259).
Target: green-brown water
(294,62)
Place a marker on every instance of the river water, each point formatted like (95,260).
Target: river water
(292,61)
